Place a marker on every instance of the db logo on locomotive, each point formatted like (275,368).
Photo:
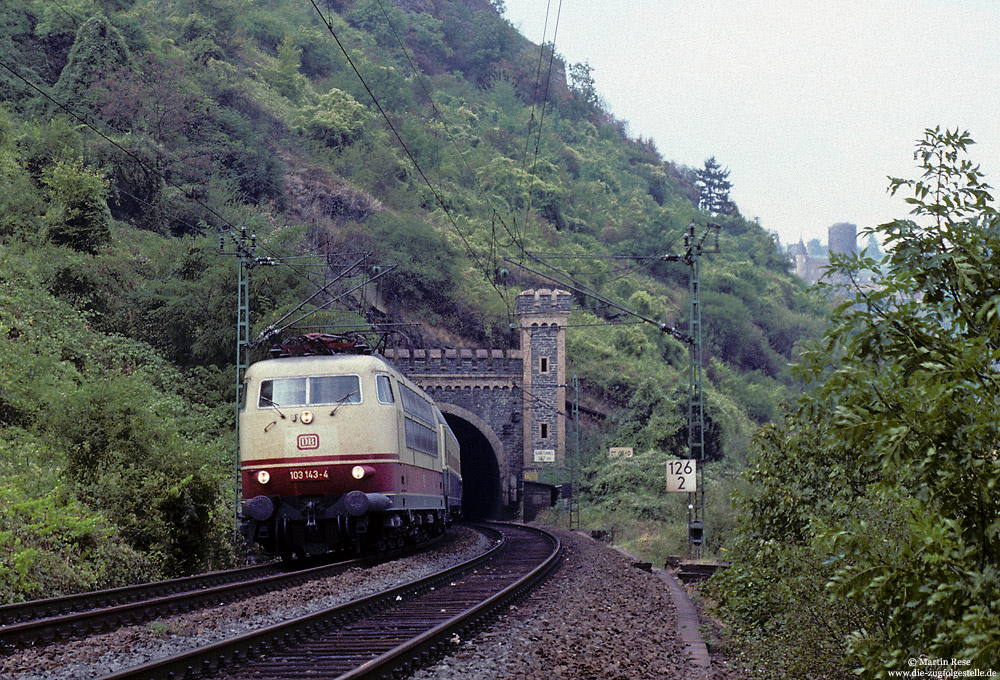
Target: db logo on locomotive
(308,441)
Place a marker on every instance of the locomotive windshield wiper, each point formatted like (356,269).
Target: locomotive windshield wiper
(340,402)
(273,405)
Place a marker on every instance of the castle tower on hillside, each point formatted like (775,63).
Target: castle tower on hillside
(843,241)
(843,238)
(800,256)
(542,316)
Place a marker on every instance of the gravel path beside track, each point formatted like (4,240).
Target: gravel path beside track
(597,618)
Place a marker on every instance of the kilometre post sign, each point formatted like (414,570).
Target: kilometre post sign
(681,476)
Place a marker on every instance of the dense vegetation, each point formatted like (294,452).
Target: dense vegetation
(134,132)
(869,534)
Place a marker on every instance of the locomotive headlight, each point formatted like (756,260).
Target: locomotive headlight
(263,477)
(307,417)
(362,471)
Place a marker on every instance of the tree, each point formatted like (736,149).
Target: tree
(78,214)
(581,78)
(713,189)
(383,21)
(284,76)
(336,120)
(887,471)
(98,50)
(815,248)
(874,248)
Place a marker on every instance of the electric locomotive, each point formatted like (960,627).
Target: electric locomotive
(339,450)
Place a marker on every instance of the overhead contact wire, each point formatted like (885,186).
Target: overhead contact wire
(430,100)
(407,151)
(534,99)
(84,120)
(541,120)
(108,139)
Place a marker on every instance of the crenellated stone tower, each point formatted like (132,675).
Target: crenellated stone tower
(515,399)
(542,316)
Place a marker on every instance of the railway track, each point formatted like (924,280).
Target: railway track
(399,628)
(44,621)
(58,606)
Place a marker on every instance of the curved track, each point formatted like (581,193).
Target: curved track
(370,637)
(45,621)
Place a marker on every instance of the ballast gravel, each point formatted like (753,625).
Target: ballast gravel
(597,618)
(132,646)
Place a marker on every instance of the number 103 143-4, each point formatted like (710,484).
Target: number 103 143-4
(308,475)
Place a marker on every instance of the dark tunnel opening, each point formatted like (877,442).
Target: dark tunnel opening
(481,498)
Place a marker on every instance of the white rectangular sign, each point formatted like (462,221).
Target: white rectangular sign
(623,451)
(681,476)
(545,455)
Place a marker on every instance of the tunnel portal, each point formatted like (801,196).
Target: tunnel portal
(481,493)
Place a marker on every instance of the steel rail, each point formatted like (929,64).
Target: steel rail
(243,651)
(81,623)
(67,604)
(431,644)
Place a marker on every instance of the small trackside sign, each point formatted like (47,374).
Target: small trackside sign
(682,476)
(307,442)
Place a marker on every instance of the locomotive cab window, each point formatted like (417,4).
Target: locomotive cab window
(335,389)
(331,389)
(283,392)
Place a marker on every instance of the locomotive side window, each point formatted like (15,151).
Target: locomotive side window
(418,435)
(335,389)
(415,405)
(384,389)
(421,437)
(332,389)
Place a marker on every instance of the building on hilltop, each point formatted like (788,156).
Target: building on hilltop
(842,239)
(807,267)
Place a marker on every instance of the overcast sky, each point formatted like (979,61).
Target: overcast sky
(810,104)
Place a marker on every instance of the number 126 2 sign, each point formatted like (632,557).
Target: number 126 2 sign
(681,476)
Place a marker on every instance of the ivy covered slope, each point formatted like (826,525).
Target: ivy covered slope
(132,131)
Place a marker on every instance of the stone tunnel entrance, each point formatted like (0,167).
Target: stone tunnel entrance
(505,406)
(481,494)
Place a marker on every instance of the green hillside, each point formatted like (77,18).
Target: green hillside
(429,132)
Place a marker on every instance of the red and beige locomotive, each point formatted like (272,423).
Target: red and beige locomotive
(340,450)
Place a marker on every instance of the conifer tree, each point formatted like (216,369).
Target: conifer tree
(713,189)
